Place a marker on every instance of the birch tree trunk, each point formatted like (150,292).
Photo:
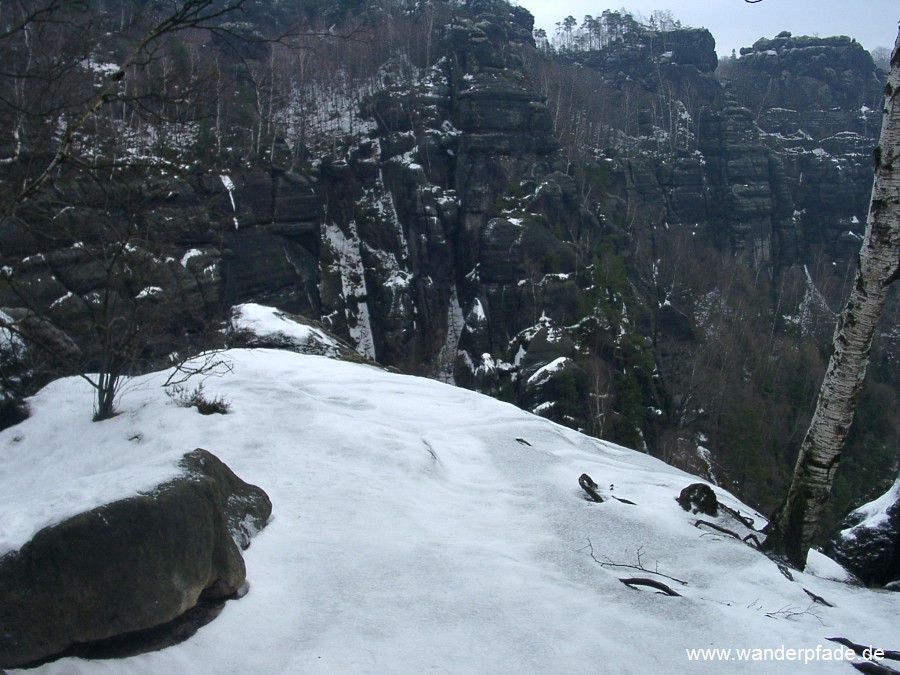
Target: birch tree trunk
(791,531)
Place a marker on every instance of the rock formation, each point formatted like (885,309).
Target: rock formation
(130,565)
(449,229)
(869,541)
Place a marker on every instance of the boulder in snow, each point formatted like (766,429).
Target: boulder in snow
(699,498)
(129,565)
(869,542)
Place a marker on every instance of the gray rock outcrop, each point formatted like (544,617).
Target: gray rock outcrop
(129,565)
(869,542)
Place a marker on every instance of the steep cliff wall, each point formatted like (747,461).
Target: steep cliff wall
(778,161)
(440,219)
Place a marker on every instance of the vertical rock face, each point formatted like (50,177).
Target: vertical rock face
(444,221)
(751,207)
(273,244)
(816,102)
(811,76)
(443,232)
(782,160)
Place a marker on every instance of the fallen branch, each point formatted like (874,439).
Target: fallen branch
(730,533)
(785,571)
(788,612)
(718,528)
(588,485)
(859,649)
(873,668)
(818,598)
(434,457)
(746,521)
(752,536)
(652,583)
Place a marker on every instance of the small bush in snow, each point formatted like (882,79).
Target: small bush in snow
(198,399)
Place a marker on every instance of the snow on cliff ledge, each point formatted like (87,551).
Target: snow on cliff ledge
(873,514)
(277,329)
(418,527)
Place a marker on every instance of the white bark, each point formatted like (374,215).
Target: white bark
(793,528)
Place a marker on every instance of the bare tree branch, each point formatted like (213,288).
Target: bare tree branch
(639,566)
(652,583)
(190,14)
(892,654)
(789,612)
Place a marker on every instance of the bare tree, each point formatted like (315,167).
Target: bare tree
(791,532)
(97,102)
(190,14)
(96,303)
(61,102)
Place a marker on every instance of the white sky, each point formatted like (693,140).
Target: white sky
(736,24)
